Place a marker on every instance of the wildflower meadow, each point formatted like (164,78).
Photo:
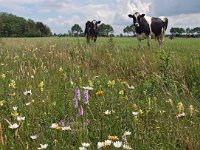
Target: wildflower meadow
(64,94)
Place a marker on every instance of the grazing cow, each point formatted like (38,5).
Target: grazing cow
(91,30)
(149,27)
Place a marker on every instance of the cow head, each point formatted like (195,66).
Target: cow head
(136,18)
(91,26)
(95,23)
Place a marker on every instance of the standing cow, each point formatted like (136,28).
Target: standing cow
(91,30)
(149,27)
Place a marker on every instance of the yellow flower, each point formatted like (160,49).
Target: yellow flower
(58,128)
(90,83)
(121,92)
(12,84)
(192,110)
(180,107)
(14,113)
(41,86)
(112,137)
(124,82)
(3,76)
(2,102)
(61,69)
(99,93)
(110,83)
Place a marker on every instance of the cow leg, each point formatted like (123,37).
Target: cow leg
(139,43)
(148,41)
(160,41)
(95,38)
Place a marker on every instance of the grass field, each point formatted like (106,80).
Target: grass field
(109,95)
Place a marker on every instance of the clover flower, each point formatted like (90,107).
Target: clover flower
(86,97)
(77,93)
(80,111)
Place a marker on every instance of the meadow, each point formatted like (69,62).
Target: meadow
(62,94)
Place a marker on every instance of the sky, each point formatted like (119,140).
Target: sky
(61,15)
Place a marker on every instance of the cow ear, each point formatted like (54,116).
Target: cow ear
(131,16)
(98,22)
(142,15)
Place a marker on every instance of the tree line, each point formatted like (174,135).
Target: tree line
(179,31)
(103,30)
(14,26)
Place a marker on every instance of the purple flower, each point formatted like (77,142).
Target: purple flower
(77,94)
(75,103)
(86,97)
(61,123)
(80,111)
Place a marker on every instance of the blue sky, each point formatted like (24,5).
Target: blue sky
(60,15)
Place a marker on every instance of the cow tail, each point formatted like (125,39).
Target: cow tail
(165,23)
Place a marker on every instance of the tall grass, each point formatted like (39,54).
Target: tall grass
(154,93)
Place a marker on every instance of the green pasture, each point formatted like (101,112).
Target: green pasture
(152,93)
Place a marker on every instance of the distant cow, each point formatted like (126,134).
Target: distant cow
(149,27)
(91,30)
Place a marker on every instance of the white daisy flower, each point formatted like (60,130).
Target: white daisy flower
(13,126)
(117,144)
(135,113)
(86,144)
(127,133)
(43,146)
(19,118)
(107,112)
(88,88)
(15,108)
(82,148)
(54,125)
(125,146)
(66,128)
(108,142)
(33,137)
(27,92)
(181,115)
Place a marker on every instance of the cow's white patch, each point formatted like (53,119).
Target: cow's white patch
(136,14)
(162,18)
(94,21)
(148,19)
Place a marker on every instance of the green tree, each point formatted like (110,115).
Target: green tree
(13,26)
(196,30)
(105,29)
(129,29)
(76,29)
(177,30)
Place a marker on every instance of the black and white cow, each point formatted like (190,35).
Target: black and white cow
(149,27)
(91,30)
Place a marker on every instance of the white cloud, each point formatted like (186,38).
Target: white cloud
(60,15)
